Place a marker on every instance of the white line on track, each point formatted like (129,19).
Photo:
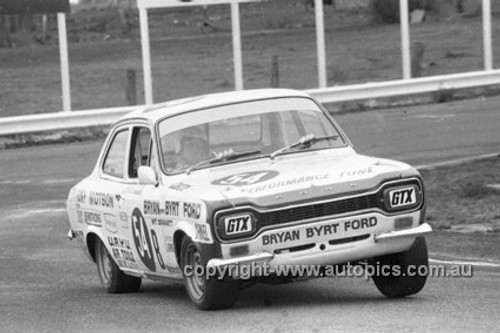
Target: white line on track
(16,182)
(61,181)
(458,161)
(434,116)
(43,182)
(21,213)
(460,262)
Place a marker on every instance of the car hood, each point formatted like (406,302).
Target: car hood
(291,178)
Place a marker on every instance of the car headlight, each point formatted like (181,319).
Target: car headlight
(237,225)
(402,197)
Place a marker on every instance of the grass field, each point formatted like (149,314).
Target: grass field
(191,61)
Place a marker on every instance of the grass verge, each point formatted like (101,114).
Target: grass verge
(464,211)
(459,195)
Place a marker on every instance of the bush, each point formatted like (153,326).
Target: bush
(472,188)
(388,10)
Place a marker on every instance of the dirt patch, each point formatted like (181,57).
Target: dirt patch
(464,210)
(446,245)
(460,199)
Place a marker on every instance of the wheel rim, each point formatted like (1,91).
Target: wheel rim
(104,264)
(195,282)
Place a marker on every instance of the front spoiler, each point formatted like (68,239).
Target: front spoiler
(265,256)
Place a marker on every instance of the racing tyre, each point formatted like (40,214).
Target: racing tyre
(112,278)
(398,283)
(207,294)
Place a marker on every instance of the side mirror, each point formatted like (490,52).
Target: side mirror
(147,176)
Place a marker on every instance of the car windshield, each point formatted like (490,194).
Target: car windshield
(255,129)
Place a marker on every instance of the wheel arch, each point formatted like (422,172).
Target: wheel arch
(178,237)
(91,243)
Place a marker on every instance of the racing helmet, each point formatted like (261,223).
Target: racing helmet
(192,134)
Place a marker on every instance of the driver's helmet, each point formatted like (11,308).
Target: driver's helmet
(191,137)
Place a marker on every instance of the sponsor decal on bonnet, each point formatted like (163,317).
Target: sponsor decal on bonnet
(246,178)
(287,183)
(179,186)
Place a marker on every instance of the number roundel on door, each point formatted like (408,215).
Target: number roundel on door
(142,240)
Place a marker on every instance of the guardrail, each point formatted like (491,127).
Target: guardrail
(406,87)
(74,119)
(61,120)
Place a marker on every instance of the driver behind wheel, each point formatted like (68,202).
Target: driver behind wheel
(191,146)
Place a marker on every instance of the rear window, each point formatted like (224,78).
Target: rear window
(114,163)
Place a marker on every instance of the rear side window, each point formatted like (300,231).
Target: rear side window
(114,163)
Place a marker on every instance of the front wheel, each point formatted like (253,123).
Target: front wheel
(402,274)
(112,278)
(208,293)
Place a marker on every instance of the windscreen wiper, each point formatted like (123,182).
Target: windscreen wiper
(226,155)
(304,142)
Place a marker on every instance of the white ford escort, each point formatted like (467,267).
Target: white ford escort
(262,178)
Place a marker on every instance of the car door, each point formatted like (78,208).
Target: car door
(151,230)
(105,196)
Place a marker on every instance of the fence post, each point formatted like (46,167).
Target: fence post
(63,53)
(487,40)
(417,58)
(405,38)
(275,72)
(320,43)
(146,55)
(237,57)
(131,92)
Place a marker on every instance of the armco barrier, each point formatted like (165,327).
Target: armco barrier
(63,120)
(406,87)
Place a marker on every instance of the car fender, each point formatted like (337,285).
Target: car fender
(198,231)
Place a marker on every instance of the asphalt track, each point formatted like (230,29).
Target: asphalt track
(47,285)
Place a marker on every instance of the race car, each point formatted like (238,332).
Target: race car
(200,188)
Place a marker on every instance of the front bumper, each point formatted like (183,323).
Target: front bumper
(421,230)
(325,249)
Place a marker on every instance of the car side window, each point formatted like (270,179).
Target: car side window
(141,148)
(114,163)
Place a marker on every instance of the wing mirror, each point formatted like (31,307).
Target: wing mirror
(147,176)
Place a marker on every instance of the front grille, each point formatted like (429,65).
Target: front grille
(314,211)
(318,210)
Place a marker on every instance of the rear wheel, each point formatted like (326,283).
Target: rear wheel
(207,293)
(398,282)
(112,278)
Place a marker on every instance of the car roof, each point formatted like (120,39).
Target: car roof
(178,106)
